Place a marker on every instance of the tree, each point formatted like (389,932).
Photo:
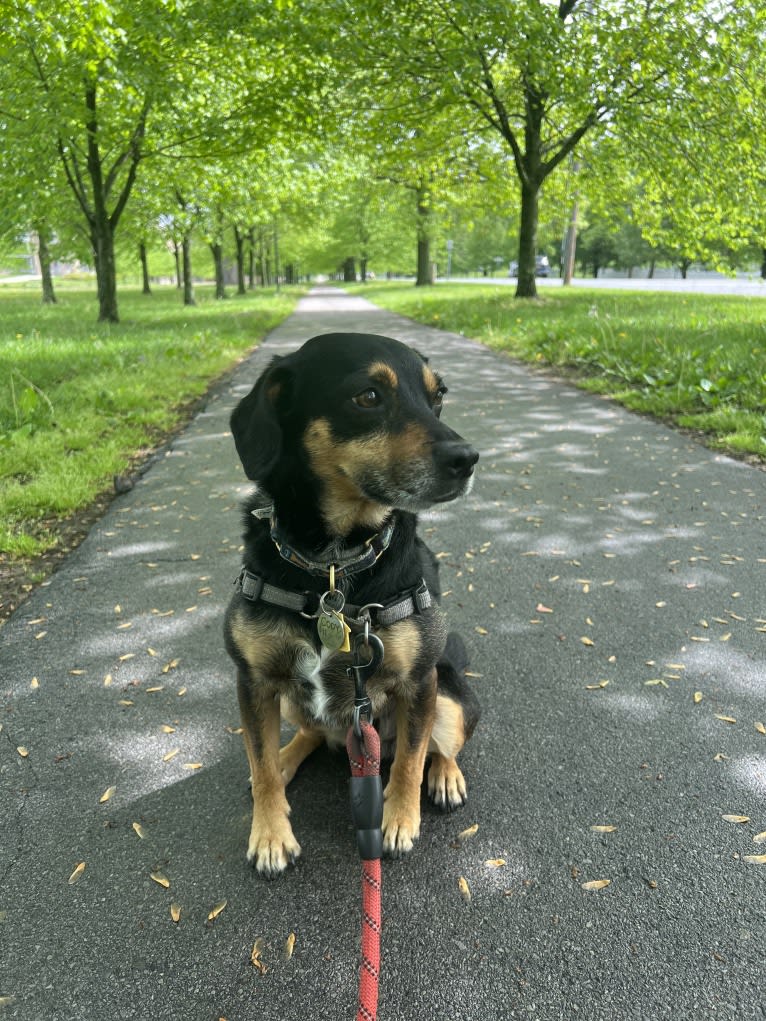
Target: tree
(540,75)
(117,82)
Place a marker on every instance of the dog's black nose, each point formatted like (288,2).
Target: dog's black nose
(455,459)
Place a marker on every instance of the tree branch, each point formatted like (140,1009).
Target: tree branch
(136,154)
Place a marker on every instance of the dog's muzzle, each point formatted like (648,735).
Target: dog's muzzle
(454,460)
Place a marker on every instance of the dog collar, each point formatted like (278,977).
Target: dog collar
(350,561)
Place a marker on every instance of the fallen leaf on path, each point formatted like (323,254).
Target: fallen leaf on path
(726,719)
(175,912)
(495,863)
(596,884)
(160,879)
(697,697)
(217,910)
(289,946)
(465,890)
(760,838)
(603,829)
(23,752)
(108,793)
(756,859)
(736,818)
(760,728)
(470,832)
(139,830)
(79,869)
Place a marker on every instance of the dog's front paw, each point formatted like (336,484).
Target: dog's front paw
(401,827)
(272,847)
(446,785)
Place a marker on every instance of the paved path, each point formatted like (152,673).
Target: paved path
(596,547)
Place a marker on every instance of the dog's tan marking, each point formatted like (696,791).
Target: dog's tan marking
(381,372)
(295,751)
(338,464)
(402,644)
(269,647)
(343,506)
(401,811)
(431,381)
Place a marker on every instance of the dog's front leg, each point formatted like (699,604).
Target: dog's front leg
(272,845)
(401,811)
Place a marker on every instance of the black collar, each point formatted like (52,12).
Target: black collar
(346,561)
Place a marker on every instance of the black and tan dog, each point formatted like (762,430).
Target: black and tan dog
(344,440)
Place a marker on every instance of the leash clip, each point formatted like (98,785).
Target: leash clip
(362,671)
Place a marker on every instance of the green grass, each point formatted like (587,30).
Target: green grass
(696,360)
(79,401)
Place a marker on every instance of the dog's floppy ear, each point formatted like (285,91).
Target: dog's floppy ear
(255,422)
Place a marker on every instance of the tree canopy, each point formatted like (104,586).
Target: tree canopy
(353,131)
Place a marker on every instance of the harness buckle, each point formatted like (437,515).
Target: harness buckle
(250,585)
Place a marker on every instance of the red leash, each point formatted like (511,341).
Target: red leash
(367,810)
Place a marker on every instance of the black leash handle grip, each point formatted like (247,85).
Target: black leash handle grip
(367,814)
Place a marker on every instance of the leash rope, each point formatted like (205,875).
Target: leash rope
(367,810)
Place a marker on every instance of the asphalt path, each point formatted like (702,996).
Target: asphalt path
(608,575)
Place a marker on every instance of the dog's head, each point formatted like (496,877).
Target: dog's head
(361,414)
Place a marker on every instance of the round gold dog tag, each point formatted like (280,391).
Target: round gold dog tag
(331,631)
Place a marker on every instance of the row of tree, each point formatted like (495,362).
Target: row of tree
(343,127)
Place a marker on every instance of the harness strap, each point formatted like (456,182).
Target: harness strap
(254,588)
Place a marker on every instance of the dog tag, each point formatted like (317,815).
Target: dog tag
(333,631)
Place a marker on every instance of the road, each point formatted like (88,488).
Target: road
(608,574)
(707,283)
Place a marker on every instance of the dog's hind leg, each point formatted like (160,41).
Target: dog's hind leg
(301,745)
(457,712)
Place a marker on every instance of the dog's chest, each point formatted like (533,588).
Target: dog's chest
(322,691)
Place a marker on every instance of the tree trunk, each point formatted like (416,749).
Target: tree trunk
(44,255)
(363,268)
(276,256)
(187,274)
(424,277)
(349,270)
(651,269)
(220,288)
(106,270)
(684,267)
(251,259)
(144,268)
(763,264)
(177,257)
(527,284)
(240,243)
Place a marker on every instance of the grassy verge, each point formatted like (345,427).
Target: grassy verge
(79,401)
(696,360)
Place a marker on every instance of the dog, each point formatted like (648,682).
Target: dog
(344,440)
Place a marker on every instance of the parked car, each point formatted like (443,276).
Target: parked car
(542,267)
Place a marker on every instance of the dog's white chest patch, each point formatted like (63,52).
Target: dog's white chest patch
(310,666)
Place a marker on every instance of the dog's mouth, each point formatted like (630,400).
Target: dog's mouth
(415,487)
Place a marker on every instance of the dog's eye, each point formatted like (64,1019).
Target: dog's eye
(438,400)
(370,398)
